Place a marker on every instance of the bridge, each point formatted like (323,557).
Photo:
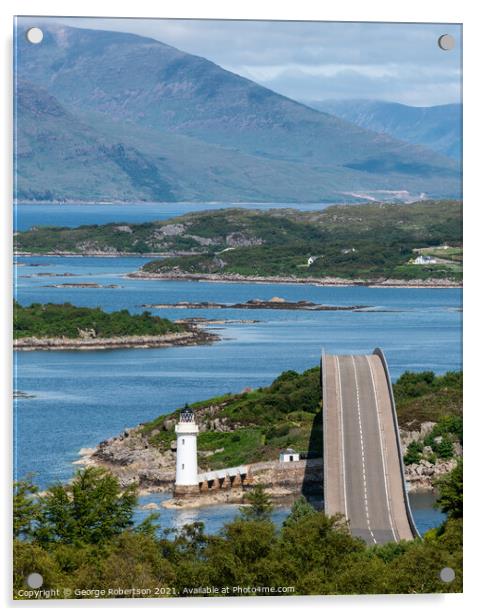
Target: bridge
(225,478)
(363,462)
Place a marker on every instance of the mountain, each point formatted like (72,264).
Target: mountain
(438,127)
(57,155)
(179,127)
(61,157)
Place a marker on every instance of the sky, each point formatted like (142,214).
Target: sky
(310,61)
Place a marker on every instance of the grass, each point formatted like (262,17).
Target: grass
(450,253)
(239,447)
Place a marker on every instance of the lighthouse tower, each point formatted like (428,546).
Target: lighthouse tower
(186,459)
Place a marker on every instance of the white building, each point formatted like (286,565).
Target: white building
(186,456)
(289,455)
(311,260)
(424,260)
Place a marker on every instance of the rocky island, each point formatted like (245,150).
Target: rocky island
(275,303)
(60,327)
(82,285)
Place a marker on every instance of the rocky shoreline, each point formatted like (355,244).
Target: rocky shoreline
(131,458)
(204,321)
(323,282)
(193,336)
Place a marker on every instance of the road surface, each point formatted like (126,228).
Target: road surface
(363,477)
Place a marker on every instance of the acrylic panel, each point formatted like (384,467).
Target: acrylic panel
(238,308)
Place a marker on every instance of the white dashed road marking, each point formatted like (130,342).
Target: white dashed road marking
(365,493)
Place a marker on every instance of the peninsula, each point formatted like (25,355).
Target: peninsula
(252,427)
(417,244)
(66,327)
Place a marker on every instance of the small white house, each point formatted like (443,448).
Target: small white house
(289,455)
(311,260)
(424,260)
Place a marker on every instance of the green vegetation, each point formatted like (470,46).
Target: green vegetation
(358,241)
(414,453)
(93,509)
(365,241)
(450,489)
(66,320)
(423,396)
(82,537)
(259,507)
(258,423)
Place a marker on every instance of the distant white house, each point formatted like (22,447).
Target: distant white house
(424,260)
(289,455)
(311,260)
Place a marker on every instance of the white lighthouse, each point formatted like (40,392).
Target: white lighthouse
(186,458)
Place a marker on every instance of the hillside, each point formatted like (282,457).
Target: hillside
(358,241)
(193,130)
(352,242)
(438,128)
(56,152)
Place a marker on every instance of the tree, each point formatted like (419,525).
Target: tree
(450,487)
(26,508)
(301,508)
(445,448)
(260,506)
(93,509)
(320,542)
(250,540)
(30,557)
(414,453)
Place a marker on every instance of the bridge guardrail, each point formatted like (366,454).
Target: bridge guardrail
(323,409)
(379,353)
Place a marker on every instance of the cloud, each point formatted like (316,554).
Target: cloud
(317,60)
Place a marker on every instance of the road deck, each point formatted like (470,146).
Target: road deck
(363,474)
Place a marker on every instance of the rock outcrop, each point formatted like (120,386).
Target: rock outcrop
(420,476)
(193,336)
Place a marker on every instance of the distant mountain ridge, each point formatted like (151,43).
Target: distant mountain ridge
(438,127)
(159,124)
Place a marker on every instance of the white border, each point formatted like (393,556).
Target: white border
(462,11)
